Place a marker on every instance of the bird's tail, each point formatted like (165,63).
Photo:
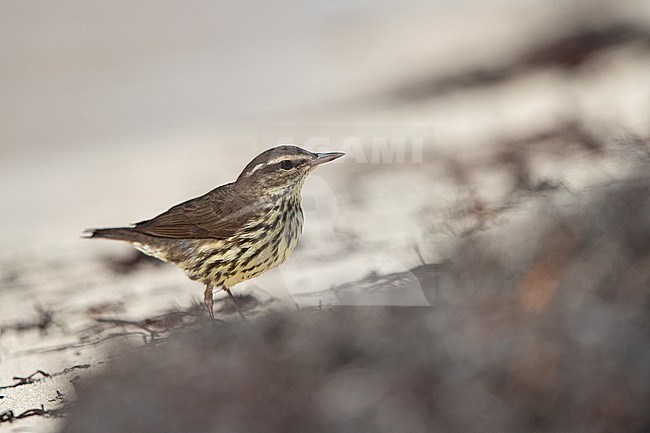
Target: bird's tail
(119,233)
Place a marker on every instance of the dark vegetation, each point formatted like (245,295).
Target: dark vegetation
(568,51)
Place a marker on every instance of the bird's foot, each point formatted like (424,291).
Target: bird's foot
(208,302)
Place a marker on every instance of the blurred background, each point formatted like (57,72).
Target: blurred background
(117,110)
(460,119)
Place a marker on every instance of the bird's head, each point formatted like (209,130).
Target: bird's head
(282,170)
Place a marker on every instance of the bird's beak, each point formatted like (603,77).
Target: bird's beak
(324,157)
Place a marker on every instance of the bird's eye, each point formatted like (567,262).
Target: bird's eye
(286,164)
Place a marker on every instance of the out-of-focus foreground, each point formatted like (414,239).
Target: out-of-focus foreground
(479,261)
(542,328)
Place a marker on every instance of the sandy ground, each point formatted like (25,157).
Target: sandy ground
(492,148)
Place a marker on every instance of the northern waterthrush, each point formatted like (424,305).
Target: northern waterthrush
(236,231)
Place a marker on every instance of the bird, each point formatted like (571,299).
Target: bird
(236,231)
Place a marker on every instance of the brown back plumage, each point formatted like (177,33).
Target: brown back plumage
(217,214)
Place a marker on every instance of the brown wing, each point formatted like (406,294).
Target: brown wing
(217,214)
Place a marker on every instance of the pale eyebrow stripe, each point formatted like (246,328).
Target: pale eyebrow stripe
(257,167)
(275,161)
(282,158)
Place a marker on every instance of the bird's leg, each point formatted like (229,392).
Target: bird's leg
(207,300)
(234,301)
